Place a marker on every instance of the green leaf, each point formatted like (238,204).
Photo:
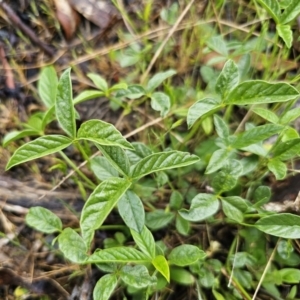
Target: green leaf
(259,92)
(72,246)
(291,12)
(255,135)
(266,114)
(162,161)
(119,86)
(161,265)
(131,210)
(47,86)
(181,276)
(218,44)
(217,160)
(98,81)
(87,95)
(140,151)
(233,167)
(290,116)
(105,287)
(223,182)
(182,226)
(278,168)
(234,208)
(48,117)
(102,133)
(286,33)
(228,78)
(133,91)
(272,7)
(158,219)
(202,207)
(158,78)
(15,135)
(99,205)
(282,225)
(221,127)
(64,107)
(176,200)
(119,255)
(145,241)
(185,255)
(137,276)
(262,193)
(290,275)
(117,157)
(160,102)
(289,134)
(102,168)
(287,150)
(40,147)
(200,108)
(43,220)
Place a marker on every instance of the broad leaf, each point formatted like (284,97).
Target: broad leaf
(286,33)
(102,168)
(158,78)
(182,226)
(158,219)
(98,81)
(217,160)
(218,44)
(102,133)
(140,151)
(40,147)
(87,95)
(202,207)
(15,135)
(161,265)
(160,102)
(162,161)
(233,167)
(259,92)
(278,168)
(132,211)
(43,220)
(200,108)
(221,127)
(290,115)
(145,241)
(223,182)
(282,225)
(117,157)
(100,203)
(290,275)
(255,135)
(137,276)
(228,78)
(72,246)
(291,12)
(47,86)
(185,255)
(134,91)
(273,8)
(287,150)
(266,114)
(181,276)
(105,287)
(119,255)
(64,106)
(234,208)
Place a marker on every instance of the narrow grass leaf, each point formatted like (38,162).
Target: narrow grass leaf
(202,207)
(255,135)
(272,7)
(137,276)
(105,286)
(158,78)
(266,114)
(283,225)
(278,168)
(145,241)
(291,12)
(185,255)
(200,108)
(40,147)
(64,106)
(87,95)
(119,255)
(259,92)
(228,78)
(162,161)
(132,211)
(287,150)
(72,246)
(160,102)
(286,33)
(117,157)
(102,133)
(100,204)
(98,81)
(217,160)
(43,220)
(47,86)
(161,265)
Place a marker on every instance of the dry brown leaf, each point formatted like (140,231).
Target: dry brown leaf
(67,17)
(98,12)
